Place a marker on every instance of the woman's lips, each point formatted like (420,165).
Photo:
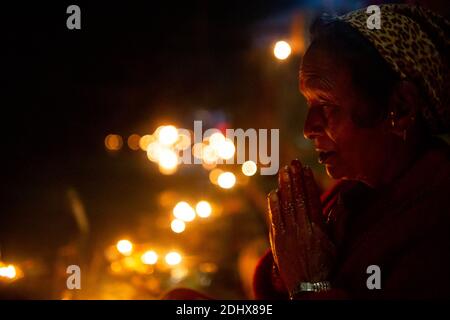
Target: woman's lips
(324,156)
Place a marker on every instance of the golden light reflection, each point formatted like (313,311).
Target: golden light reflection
(177,225)
(249,168)
(203,209)
(133,141)
(149,257)
(113,142)
(282,50)
(184,211)
(125,247)
(226,180)
(173,258)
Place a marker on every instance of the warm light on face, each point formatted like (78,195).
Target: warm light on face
(249,168)
(168,135)
(149,257)
(226,149)
(184,211)
(173,258)
(226,180)
(282,50)
(125,247)
(177,225)
(203,209)
(113,142)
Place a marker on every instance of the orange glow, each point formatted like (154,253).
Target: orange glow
(133,142)
(113,142)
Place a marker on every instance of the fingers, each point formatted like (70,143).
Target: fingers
(300,196)
(277,223)
(313,199)
(286,198)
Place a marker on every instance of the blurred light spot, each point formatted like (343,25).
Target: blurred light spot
(168,135)
(145,141)
(125,247)
(8,272)
(149,257)
(168,159)
(167,171)
(178,226)
(226,149)
(214,176)
(184,141)
(226,180)
(113,142)
(282,50)
(216,139)
(208,267)
(203,209)
(197,150)
(249,168)
(209,155)
(133,141)
(173,258)
(116,267)
(184,211)
(178,274)
(209,166)
(153,151)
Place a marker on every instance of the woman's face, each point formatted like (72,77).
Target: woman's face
(347,150)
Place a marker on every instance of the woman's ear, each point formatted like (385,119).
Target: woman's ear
(404,106)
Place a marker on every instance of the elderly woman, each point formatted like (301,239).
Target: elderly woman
(377,98)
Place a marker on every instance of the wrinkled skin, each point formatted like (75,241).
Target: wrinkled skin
(373,155)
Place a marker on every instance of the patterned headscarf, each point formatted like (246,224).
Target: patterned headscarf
(415,43)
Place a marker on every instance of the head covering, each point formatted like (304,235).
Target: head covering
(415,43)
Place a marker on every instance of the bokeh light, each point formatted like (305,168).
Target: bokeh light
(149,257)
(177,225)
(214,176)
(168,135)
(226,149)
(184,211)
(173,258)
(145,140)
(203,209)
(226,180)
(249,168)
(8,272)
(282,50)
(113,142)
(133,141)
(125,247)
(167,159)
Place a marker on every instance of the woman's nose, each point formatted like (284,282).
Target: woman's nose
(314,125)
